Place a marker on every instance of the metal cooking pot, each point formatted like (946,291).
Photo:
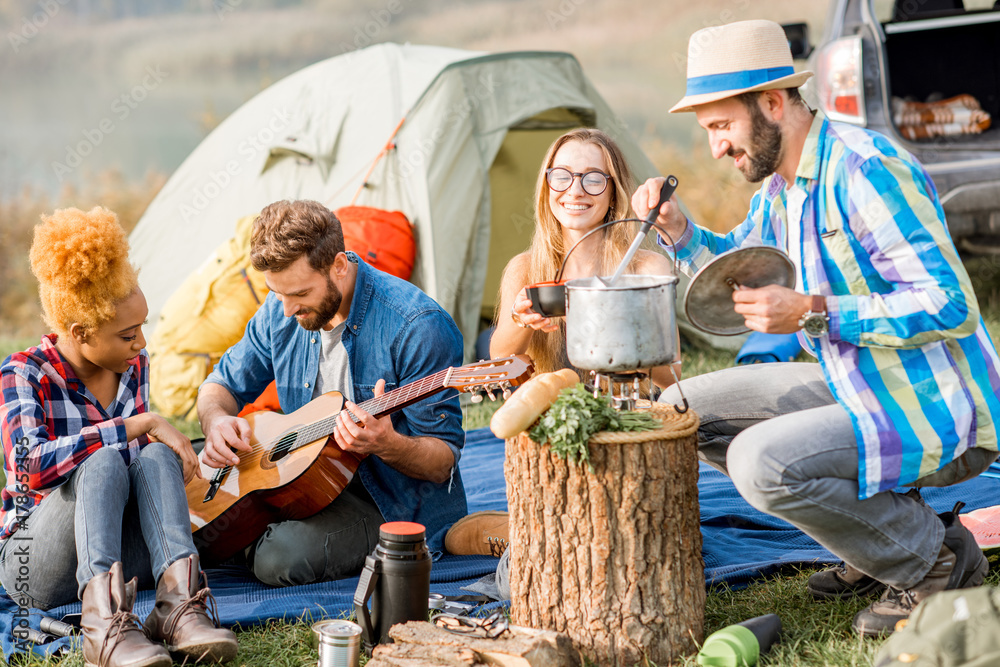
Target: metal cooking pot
(629,326)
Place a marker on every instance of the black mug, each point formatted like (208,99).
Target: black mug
(397,578)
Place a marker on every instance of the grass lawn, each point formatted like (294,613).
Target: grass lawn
(816,634)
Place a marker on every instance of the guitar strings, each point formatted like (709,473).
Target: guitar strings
(325,426)
(322,428)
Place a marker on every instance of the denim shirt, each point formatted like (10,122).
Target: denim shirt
(394,332)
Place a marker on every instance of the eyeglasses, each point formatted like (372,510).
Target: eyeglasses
(561,180)
(491,627)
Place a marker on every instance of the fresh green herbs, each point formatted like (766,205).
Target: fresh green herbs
(576,415)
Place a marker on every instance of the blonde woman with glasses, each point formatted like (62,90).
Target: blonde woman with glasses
(583,183)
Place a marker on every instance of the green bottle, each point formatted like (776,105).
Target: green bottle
(742,644)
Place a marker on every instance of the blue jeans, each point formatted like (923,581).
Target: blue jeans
(791,452)
(327,546)
(105,512)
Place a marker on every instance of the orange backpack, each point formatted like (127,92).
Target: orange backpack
(384,239)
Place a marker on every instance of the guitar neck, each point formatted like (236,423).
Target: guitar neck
(379,406)
(399,398)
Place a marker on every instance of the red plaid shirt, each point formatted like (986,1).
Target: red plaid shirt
(51,423)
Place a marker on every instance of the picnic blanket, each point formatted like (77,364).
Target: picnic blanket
(740,544)
(961,114)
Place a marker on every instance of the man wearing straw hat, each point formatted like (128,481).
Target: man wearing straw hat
(906,391)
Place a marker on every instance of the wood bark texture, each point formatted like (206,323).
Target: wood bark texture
(611,557)
(519,647)
(405,655)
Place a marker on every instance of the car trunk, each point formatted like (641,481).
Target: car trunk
(937,57)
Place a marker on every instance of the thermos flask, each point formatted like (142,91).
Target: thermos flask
(397,579)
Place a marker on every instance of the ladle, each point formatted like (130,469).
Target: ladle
(669,185)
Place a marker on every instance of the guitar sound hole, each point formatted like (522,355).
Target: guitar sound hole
(283,446)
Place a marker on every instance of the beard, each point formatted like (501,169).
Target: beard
(766,147)
(316,318)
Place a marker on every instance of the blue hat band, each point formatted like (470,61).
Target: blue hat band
(714,83)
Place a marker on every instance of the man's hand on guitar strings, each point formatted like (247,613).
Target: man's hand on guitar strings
(225,435)
(369,435)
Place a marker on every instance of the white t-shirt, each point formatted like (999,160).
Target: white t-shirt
(334,367)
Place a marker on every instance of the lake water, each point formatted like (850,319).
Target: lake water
(53,133)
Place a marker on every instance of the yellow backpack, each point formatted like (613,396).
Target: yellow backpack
(202,319)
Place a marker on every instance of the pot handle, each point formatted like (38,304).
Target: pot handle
(678,383)
(562,267)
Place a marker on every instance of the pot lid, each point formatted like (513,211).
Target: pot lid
(708,302)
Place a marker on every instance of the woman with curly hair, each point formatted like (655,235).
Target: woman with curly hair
(584,182)
(94,499)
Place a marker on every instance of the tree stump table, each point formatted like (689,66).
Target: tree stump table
(611,557)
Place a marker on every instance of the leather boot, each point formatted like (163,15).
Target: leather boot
(480,533)
(112,636)
(842,582)
(960,564)
(181,618)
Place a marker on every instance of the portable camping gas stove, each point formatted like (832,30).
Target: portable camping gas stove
(621,388)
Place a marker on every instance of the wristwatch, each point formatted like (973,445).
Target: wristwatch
(815,322)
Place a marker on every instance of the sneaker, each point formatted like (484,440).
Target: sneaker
(480,533)
(841,582)
(960,564)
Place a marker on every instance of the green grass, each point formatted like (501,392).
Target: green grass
(10,345)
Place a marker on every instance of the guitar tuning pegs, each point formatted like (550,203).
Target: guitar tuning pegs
(477,398)
(489,392)
(506,393)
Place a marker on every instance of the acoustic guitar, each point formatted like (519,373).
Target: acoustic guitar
(296,469)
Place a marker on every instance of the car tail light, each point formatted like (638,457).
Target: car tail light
(839,83)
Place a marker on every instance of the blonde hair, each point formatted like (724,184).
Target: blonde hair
(548,249)
(81,262)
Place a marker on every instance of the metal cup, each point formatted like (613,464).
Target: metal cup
(339,643)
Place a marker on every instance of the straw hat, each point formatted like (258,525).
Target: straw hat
(741,57)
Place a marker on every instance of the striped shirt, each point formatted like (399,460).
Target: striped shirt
(50,423)
(907,354)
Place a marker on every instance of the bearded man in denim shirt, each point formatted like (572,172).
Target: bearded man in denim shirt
(333,323)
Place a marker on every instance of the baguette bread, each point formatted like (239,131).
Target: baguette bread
(527,403)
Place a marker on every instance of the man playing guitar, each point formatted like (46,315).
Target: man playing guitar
(333,323)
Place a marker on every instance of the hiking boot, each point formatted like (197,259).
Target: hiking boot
(181,618)
(841,582)
(960,564)
(112,636)
(480,533)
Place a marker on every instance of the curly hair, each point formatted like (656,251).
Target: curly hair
(81,262)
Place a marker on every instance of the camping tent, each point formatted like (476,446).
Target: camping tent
(451,138)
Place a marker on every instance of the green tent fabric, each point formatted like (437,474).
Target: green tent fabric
(451,138)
